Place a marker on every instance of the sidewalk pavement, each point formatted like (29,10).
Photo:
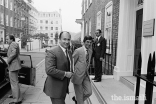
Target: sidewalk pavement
(115,92)
(35,94)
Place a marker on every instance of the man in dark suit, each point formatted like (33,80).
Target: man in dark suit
(99,54)
(58,67)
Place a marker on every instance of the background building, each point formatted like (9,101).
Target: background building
(14,16)
(104,15)
(50,23)
(33,13)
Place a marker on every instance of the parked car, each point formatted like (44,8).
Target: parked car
(3,73)
(3,50)
(27,74)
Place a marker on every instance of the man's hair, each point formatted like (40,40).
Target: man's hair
(87,38)
(99,30)
(11,37)
(62,33)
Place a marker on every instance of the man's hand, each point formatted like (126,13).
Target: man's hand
(69,74)
(101,59)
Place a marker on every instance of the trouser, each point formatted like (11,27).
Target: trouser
(57,100)
(98,69)
(13,75)
(83,91)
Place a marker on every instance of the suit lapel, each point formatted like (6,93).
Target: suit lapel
(62,54)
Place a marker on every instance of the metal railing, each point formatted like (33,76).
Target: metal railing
(148,78)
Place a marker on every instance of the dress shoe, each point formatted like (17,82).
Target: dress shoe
(98,80)
(93,78)
(20,102)
(10,96)
(74,99)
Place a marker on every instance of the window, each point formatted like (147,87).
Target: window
(41,21)
(90,27)
(86,4)
(11,7)
(51,41)
(56,22)
(51,28)
(51,34)
(46,21)
(84,8)
(90,1)
(86,29)
(1,18)
(56,28)
(51,22)
(6,3)
(46,28)
(108,26)
(11,21)
(41,28)
(2,2)
(7,22)
(98,24)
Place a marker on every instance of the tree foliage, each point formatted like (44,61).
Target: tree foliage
(41,36)
(25,39)
(56,37)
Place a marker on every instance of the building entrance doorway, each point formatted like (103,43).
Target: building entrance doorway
(138,37)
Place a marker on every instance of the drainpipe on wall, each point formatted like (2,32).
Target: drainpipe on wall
(4,23)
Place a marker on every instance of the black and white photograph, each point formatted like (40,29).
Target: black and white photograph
(77,52)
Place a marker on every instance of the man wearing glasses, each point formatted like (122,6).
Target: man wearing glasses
(99,54)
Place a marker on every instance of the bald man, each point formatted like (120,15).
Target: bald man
(58,67)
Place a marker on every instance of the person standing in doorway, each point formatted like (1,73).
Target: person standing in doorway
(81,79)
(58,67)
(14,65)
(99,55)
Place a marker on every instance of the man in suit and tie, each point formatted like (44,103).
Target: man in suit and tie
(99,55)
(14,65)
(80,78)
(58,67)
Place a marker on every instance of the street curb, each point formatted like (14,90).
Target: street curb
(98,94)
(39,64)
(89,101)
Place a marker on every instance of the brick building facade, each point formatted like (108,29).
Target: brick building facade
(11,14)
(104,15)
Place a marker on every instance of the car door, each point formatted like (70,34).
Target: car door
(3,73)
(27,74)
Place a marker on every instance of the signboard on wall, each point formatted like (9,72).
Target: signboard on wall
(98,24)
(108,26)
(148,28)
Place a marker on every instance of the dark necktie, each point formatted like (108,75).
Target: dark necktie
(68,60)
(87,58)
(96,40)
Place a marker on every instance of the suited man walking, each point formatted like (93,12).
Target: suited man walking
(58,67)
(14,65)
(80,78)
(99,55)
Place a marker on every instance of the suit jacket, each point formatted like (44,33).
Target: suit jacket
(56,64)
(13,59)
(80,65)
(100,48)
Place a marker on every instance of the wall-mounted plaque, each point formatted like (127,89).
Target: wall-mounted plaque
(148,28)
